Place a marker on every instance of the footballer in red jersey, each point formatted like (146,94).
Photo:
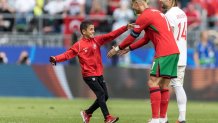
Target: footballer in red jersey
(164,67)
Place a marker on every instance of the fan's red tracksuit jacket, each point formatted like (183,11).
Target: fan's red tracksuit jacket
(88,52)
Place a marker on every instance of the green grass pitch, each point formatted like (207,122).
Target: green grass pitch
(42,110)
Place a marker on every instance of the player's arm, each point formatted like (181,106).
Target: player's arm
(130,39)
(196,55)
(69,54)
(102,39)
(196,59)
(141,42)
(141,23)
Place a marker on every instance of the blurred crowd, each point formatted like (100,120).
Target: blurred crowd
(23,15)
(23,58)
(51,16)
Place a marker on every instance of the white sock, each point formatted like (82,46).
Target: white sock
(181,101)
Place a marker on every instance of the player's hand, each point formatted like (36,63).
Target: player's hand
(112,52)
(124,51)
(52,60)
(130,25)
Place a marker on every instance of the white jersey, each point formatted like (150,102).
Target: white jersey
(178,20)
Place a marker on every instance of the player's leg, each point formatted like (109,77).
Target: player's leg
(168,70)
(109,118)
(93,83)
(155,98)
(98,86)
(104,86)
(95,105)
(155,95)
(181,97)
(165,97)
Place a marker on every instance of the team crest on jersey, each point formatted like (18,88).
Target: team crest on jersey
(85,50)
(94,46)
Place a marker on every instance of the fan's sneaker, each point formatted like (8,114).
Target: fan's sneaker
(86,117)
(111,119)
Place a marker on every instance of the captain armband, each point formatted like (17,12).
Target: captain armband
(134,34)
(130,48)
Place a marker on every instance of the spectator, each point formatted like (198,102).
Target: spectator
(3,58)
(24,13)
(53,8)
(37,11)
(112,5)
(211,9)
(123,14)
(193,16)
(74,7)
(204,55)
(23,58)
(88,6)
(97,15)
(212,12)
(6,23)
(24,6)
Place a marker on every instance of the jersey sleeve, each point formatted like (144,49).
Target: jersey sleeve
(69,54)
(141,42)
(141,23)
(102,39)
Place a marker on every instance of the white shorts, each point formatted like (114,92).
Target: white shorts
(180,77)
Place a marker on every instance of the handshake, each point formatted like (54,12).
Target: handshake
(116,50)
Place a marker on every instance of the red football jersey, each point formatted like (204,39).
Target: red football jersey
(157,29)
(88,52)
